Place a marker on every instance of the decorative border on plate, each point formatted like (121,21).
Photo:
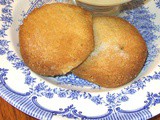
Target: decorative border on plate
(30,106)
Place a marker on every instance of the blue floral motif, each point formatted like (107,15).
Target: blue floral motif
(97,99)
(153,99)
(124,98)
(6,16)
(110,98)
(2,2)
(74,80)
(131,91)
(156,76)
(6,10)
(2,32)
(3,46)
(11,56)
(74,94)
(48,93)
(115,100)
(62,94)
(29,80)
(2,52)
(5,2)
(87,95)
(157,3)
(139,84)
(3,77)
(19,64)
(40,87)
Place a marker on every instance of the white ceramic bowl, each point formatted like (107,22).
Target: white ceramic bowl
(103,7)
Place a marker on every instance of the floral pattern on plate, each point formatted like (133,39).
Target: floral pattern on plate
(110,103)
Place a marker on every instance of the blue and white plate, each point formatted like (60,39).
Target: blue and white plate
(69,96)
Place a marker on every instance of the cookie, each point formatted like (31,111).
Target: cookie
(56,38)
(119,55)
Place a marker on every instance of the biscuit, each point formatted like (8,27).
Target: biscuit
(119,55)
(56,38)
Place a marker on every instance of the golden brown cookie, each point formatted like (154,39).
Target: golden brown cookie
(119,55)
(56,38)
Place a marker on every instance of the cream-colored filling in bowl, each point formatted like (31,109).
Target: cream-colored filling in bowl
(104,2)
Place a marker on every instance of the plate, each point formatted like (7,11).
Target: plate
(69,97)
